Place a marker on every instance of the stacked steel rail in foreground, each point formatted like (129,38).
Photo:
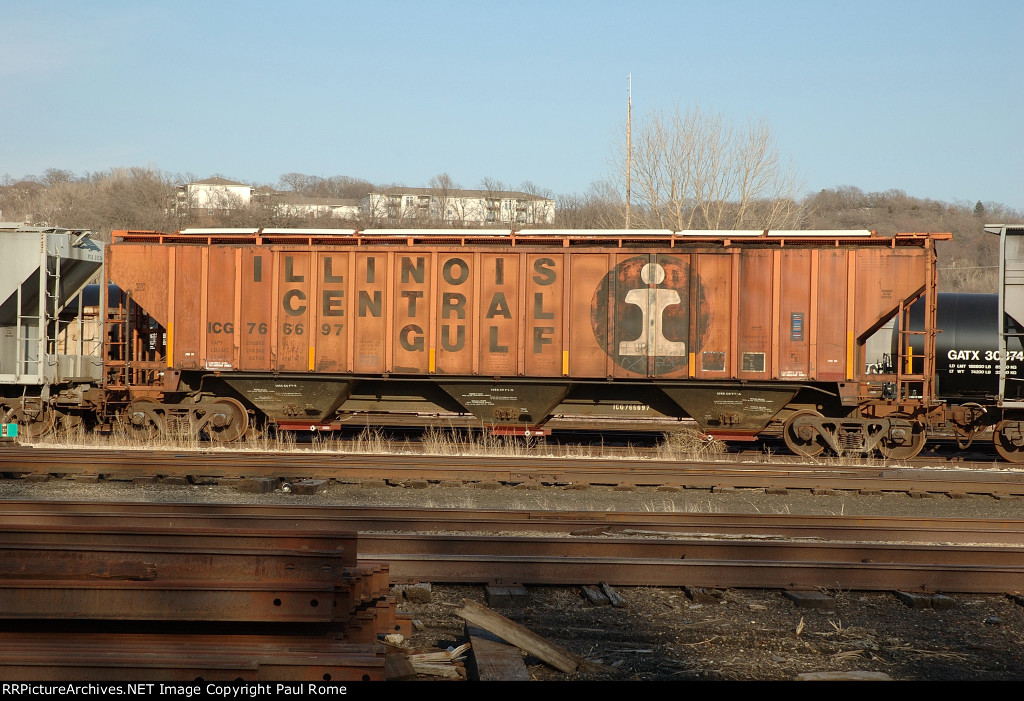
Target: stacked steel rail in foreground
(144,601)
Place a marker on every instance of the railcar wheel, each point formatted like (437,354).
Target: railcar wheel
(802,436)
(31,426)
(1008,437)
(143,420)
(226,420)
(904,440)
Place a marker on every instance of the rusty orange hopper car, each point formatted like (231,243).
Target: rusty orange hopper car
(739,333)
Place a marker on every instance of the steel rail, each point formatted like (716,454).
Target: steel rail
(61,516)
(710,573)
(383,546)
(511,470)
(648,561)
(170,600)
(730,563)
(90,656)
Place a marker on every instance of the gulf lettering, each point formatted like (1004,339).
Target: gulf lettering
(411,337)
(493,346)
(460,337)
(540,339)
(538,307)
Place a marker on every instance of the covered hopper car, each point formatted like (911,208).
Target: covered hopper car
(746,333)
(215,333)
(51,356)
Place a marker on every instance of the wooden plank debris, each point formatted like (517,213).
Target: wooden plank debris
(810,599)
(506,595)
(703,595)
(595,596)
(494,660)
(446,663)
(397,666)
(917,600)
(613,596)
(309,486)
(523,638)
(852,676)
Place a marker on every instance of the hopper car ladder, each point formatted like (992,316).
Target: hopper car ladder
(915,377)
(132,357)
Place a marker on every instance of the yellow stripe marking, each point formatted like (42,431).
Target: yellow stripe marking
(849,355)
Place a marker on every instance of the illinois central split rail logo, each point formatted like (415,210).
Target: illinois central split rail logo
(641,311)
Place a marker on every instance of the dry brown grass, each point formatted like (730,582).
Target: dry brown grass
(689,444)
(453,442)
(684,444)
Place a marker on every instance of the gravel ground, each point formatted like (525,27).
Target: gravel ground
(663,634)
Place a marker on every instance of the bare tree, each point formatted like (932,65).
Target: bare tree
(55,176)
(296,182)
(695,170)
(493,192)
(530,188)
(444,199)
(601,207)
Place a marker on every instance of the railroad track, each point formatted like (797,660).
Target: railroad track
(367,520)
(707,550)
(130,588)
(969,478)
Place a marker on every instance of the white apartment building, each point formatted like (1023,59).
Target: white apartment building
(457,206)
(215,194)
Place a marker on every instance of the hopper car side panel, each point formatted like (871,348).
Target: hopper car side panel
(750,314)
(486,317)
(748,333)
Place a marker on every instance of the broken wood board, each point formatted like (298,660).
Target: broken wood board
(495,660)
(523,638)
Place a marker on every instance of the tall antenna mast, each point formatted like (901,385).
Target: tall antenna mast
(629,140)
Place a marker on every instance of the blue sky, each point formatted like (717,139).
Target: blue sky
(927,97)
